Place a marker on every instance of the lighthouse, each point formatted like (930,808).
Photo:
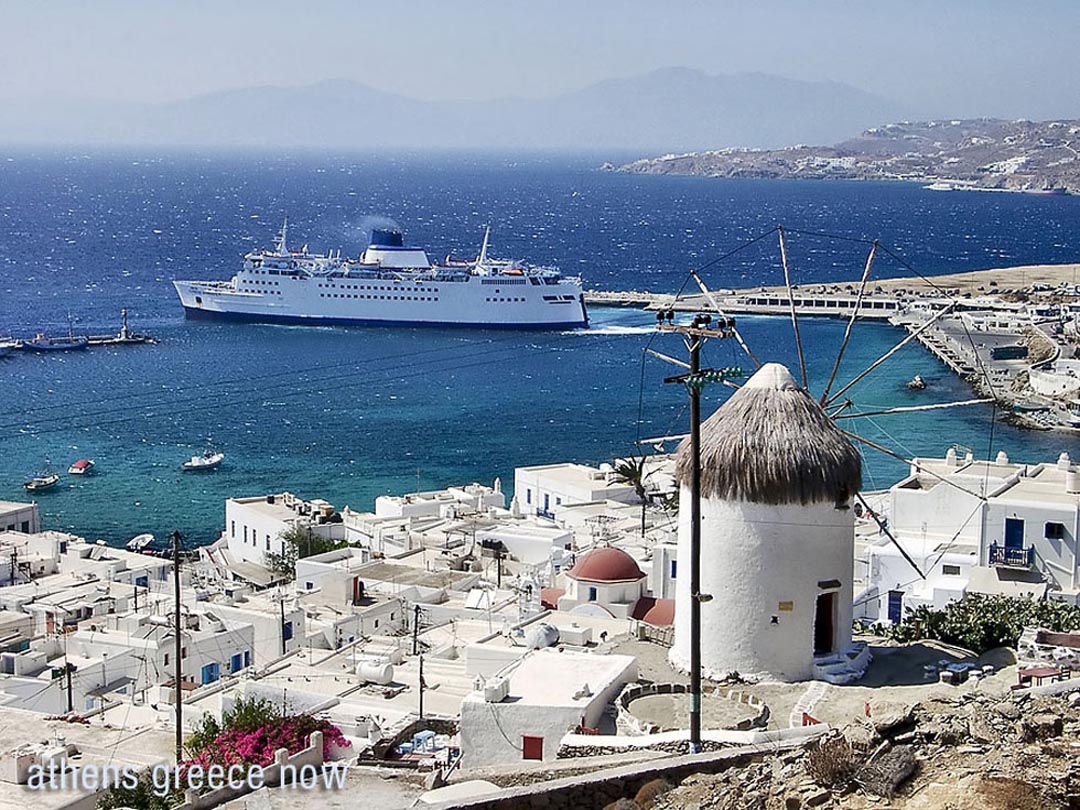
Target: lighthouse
(777,535)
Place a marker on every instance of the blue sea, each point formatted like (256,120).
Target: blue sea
(348,414)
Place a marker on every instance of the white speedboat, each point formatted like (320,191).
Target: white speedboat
(207,461)
(139,542)
(389,284)
(7,347)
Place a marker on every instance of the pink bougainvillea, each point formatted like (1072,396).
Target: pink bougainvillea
(257,747)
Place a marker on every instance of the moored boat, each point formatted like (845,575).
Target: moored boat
(40,483)
(41,343)
(208,460)
(8,346)
(139,542)
(81,467)
(917,383)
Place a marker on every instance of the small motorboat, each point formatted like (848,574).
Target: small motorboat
(81,467)
(207,461)
(40,483)
(139,542)
(917,383)
(8,346)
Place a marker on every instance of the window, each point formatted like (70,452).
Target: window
(376,624)
(592,594)
(950,570)
(267,542)
(232,529)
(528,496)
(183,652)
(308,586)
(166,659)
(286,631)
(674,567)
(1055,531)
(245,535)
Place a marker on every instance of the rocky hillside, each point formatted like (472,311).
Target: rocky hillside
(985,153)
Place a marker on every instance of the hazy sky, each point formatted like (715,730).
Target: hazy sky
(939,58)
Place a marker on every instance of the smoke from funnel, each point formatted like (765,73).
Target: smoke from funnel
(372,222)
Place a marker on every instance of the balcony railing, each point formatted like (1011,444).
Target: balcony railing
(1012,557)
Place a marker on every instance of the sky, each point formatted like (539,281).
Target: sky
(939,58)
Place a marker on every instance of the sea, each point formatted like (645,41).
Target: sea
(348,414)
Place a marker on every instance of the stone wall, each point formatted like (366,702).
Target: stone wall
(1038,646)
(625,719)
(593,791)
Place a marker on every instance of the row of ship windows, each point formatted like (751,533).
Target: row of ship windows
(261,281)
(380,297)
(264,292)
(384,289)
(504,300)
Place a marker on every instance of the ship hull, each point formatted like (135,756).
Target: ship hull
(479,303)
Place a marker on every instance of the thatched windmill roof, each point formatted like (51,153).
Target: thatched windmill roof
(772,443)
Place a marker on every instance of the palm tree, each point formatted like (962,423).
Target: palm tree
(631,470)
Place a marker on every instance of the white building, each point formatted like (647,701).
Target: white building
(524,711)
(975,526)
(24,557)
(777,536)
(254,528)
(540,490)
(19,517)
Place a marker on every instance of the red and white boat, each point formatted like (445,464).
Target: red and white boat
(81,467)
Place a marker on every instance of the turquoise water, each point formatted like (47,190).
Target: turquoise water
(348,414)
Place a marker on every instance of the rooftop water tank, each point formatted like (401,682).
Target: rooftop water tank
(375,670)
(541,635)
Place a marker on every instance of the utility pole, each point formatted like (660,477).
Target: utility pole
(695,379)
(178,669)
(416,630)
(422,685)
(68,667)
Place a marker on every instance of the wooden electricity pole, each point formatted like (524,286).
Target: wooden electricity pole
(178,669)
(695,379)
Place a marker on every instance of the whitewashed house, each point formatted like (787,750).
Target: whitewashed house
(975,526)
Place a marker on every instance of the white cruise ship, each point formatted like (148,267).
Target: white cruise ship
(390,284)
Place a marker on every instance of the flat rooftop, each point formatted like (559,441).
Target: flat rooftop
(549,677)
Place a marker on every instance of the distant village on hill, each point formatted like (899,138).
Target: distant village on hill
(984,154)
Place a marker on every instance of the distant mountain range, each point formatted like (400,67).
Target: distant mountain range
(669,109)
(986,154)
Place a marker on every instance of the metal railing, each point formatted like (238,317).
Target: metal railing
(1012,557)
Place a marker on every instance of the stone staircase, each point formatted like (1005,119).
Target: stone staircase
(843,667)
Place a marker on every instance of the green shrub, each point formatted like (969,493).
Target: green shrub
(979,622)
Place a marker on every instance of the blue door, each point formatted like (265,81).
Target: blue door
(1014,533)
(211,672)
(896,606)
(237,662)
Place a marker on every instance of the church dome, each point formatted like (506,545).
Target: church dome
(772,443)
(606,564)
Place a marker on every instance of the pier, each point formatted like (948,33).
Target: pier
(125,337)
(989,327)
